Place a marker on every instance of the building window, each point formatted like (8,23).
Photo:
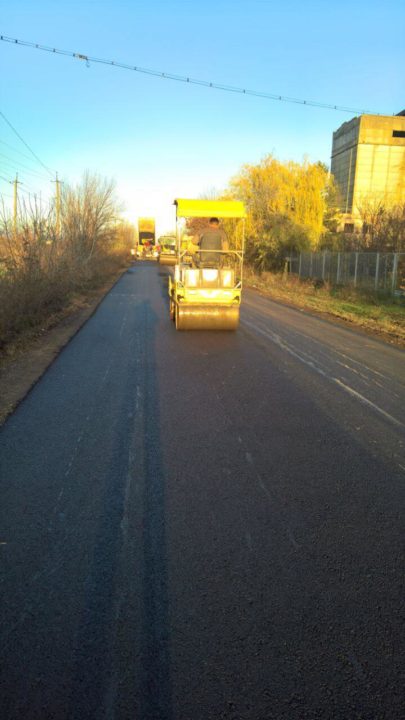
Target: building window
(398,133)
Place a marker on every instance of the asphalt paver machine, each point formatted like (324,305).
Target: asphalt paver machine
(206,295)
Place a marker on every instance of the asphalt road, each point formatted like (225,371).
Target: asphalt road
(199,526)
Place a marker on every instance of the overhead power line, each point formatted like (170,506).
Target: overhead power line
(25,143)
(27,190)
(11,147)
(184,79)
(17,163)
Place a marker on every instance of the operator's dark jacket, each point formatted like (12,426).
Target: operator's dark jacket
(211,239)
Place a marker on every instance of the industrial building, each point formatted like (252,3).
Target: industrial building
(368,163)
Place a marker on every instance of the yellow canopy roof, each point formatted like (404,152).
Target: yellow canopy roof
(210,208)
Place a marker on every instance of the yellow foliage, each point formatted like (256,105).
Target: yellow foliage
(293,190)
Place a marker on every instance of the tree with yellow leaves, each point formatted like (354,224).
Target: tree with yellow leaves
(287,204)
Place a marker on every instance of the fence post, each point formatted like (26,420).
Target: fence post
(323,265)
(394,274)
(356,265)
(338,269)
(300,265)
(377,271)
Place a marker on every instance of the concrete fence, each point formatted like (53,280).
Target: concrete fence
(372,270)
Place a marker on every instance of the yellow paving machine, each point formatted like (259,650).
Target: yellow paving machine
(167,255)
(205,288)
(146,238)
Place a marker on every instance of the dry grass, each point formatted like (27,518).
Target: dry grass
(44,273)
(383,316)
(30,306)
(73,303)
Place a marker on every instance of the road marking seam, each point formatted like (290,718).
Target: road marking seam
(365,378)
(106,372)
(277,340)
(337,352)
(124,321)
(367,402)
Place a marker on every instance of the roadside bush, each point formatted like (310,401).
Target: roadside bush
(279,238)
(41,270)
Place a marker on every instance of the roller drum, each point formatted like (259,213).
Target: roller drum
(206,317)
(167,259)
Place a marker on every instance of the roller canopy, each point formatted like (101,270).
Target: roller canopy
(210,208)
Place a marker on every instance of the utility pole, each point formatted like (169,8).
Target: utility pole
(57,203)
(15,183)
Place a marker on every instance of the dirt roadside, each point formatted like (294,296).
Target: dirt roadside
(22,370)
(391,332)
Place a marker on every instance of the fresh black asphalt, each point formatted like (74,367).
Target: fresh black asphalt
(205,526)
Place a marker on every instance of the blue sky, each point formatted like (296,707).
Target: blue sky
(160,139)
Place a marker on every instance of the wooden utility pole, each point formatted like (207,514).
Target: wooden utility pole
(57,203)
(15,183)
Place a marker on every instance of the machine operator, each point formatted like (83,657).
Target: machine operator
(212,238)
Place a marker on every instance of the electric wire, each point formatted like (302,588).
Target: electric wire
(14,163)
(22,180)
(13,169)
(11,161)
(23,190)
(27,190)
(26,144)
(184,79)
(11,147)
(33,196)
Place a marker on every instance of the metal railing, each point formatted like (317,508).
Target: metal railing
(371,270)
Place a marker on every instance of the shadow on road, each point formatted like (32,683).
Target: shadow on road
(136,464)
(156,696)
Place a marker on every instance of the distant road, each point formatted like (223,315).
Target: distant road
(205,526)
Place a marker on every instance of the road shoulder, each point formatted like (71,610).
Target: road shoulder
(371,329)
(20,372)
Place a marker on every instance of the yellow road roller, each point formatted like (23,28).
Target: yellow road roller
(167,255)
(206,286)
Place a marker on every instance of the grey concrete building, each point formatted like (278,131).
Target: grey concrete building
(368,163)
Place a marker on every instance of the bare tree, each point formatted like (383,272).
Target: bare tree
(383,227)
(89,216)
(40,268)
